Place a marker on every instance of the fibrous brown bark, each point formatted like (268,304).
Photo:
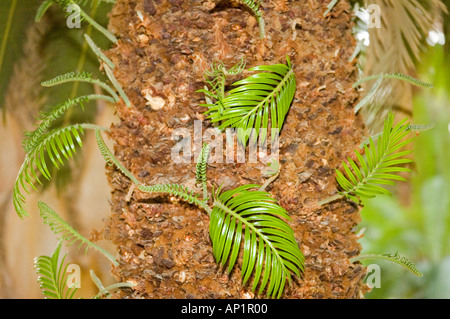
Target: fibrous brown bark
(164,48)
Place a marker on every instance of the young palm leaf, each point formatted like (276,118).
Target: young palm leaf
(256,99)
(67,233)
(378,166)
(216,78)
(52,276)
(80,77)
(201,169)
(254,5)
(54,146)
(395,258)
(270,251)
(48,118)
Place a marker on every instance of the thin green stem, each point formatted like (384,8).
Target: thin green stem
(112,287)
(330,199)
(12,9)
(406,264)
(268,181)
(116,84)
(98,52)
(94,127)
(82,59)
(5,41)
(97,26)
(262,26)
(397,76)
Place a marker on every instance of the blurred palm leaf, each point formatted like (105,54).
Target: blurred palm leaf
(15,19)
(416,222)
(397,47)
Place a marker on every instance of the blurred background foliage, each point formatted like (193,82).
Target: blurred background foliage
(415,221)
(32,52)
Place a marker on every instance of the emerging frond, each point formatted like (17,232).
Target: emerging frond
(68,77)
(52,276)
(411,127)
(216,78)
(396,258)
(270,251)
(395,75)
(200,173)
(369,98)
(79,77)
(177,190)
(54,145)
(254,5)
(110,159)
(67,233)
(378,166)
(262,96)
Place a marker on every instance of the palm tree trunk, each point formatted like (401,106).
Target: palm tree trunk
(164,47)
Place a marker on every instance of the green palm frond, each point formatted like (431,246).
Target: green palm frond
(408,23)
(378,166)
(262,96)
(49,117)
(67,233)
(52,276)
(395,258)
(200,172)
(270,251)
(55,145)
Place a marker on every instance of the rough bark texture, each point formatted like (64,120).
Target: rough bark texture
(164,47)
